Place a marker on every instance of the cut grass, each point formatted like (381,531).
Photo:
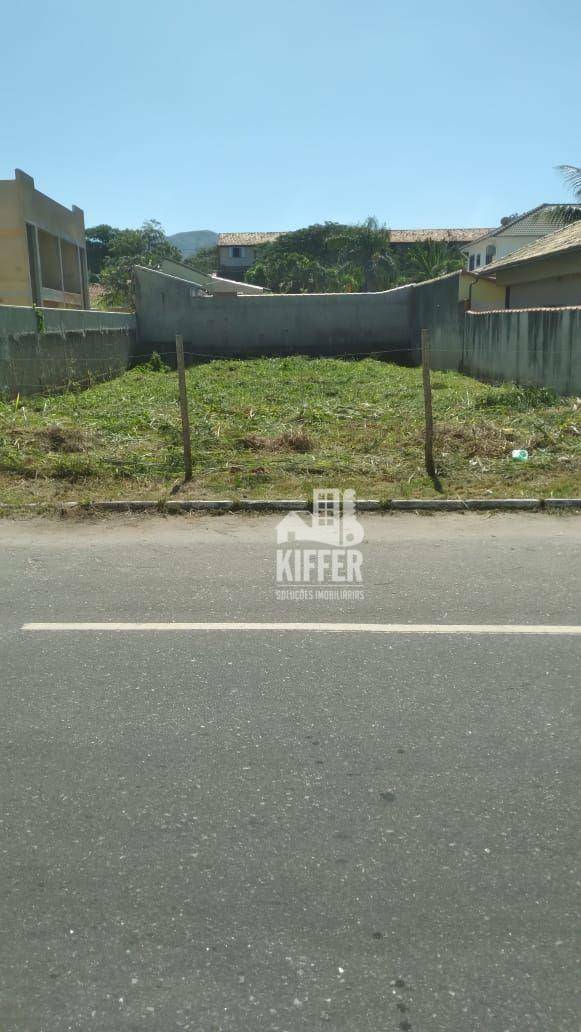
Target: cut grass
(279,427)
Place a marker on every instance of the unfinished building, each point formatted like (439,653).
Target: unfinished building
(43,258)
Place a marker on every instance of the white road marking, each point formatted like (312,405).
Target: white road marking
(309,628)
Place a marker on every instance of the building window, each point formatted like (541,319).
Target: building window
(477,260)
(236,252)
(471,262)
(50,260)
(71,264)
(490,254)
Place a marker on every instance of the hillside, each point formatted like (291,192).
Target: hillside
(195,240)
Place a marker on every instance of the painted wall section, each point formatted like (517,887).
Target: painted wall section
(44,349)
(552,292)
(275,324)
(551,282)
(481,294)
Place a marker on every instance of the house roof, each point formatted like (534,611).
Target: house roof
(453,236)
(96,292)
(245,239)
(517,223)
(563,240)
(398,236)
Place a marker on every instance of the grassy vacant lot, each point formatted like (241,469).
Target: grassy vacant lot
(275,428)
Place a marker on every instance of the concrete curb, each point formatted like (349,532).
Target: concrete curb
(562,503)
(465,504)
(302,505)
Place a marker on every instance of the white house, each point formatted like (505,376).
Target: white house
(512,234)
(237,251)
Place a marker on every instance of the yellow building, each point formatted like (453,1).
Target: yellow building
(43,258)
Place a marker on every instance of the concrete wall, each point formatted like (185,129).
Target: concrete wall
(312,324)
(538,346)
(437,307)
(46,348)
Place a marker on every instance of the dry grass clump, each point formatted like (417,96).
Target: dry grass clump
(290,440)
(53,438)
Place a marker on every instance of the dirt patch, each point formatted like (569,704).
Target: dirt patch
(52,438)
(473,440)
(296,441)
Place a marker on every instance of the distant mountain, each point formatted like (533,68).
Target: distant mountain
(190,243)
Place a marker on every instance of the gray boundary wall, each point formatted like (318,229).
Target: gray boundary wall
(274,324)
(540,346)
(47,349)
(44,349)
(436,308)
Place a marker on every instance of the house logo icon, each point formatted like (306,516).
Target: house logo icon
(330,560)
(331,523)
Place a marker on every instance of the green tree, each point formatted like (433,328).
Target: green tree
(367,247)
(129,247)
(300,262)
(429,259)
(205,260)
(326,257)
(311,240)
(99,240)
(296,274)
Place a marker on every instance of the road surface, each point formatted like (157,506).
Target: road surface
(271,830)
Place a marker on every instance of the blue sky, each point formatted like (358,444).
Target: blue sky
(233,116)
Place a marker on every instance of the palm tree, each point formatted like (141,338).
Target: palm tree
(565,214)
(429,259)
(366,246)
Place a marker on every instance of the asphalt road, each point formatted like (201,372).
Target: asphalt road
(270,831)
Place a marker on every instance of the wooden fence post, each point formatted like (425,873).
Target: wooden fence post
(184,407)
(429,432)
